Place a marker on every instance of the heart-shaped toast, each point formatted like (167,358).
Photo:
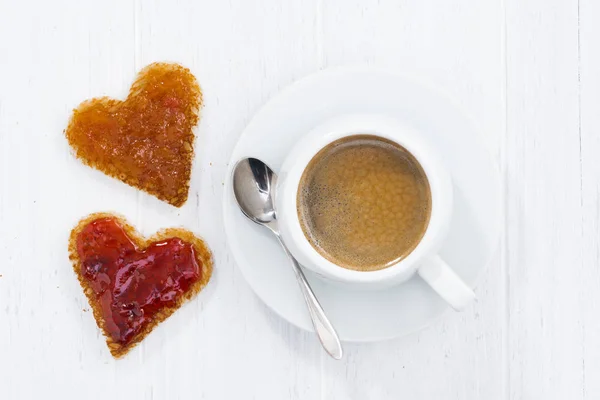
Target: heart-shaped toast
(147,140)
(132,283)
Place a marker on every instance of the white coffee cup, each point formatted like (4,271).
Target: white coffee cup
(424,259)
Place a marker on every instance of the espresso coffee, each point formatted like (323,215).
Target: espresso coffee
(364,202)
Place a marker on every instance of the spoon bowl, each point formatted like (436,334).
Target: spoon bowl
(253,184)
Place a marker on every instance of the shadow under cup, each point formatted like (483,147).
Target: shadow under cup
(364,202)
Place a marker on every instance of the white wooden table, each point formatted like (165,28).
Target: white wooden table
(529,70)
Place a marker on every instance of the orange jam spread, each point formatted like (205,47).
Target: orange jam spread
(146,140)
(129,285)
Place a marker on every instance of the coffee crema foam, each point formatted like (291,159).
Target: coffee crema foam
(364,202)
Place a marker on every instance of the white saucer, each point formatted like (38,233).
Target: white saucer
(360,315)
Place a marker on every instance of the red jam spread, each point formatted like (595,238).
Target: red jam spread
(132,285)
(146,140)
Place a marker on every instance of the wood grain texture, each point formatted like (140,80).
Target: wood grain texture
(528,70)
(589,120)
(544,203)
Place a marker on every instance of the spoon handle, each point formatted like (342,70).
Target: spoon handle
(325,331)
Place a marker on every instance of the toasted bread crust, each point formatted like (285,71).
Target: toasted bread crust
(116,349)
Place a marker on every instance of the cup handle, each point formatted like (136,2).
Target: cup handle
(446,283)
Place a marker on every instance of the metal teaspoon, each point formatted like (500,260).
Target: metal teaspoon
(253,182)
